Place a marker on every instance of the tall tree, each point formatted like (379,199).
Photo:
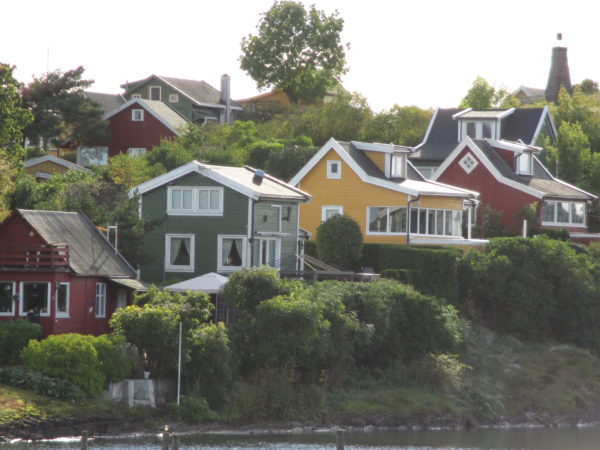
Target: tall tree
(401,125)
(13,118)
(61,110)
(295,50)
(482,95)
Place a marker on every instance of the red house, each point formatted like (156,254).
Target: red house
(135,127)
(58,269)
(509,177)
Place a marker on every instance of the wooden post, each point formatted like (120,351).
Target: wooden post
(166,438)
(84,439)
(339,440)
(175,442)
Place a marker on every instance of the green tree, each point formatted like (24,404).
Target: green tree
(61,110)
(483,95)
(295,50)
(401,125)
(340,241)
(570,157)
(13,118)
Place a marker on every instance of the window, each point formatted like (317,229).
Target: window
(330,211)
(468,162)
(92,156)
(100,299)
(137,115)
(121,298)
(386,219)
(563,213)
(436,222)
(479,129)
(427,172)
(524,163)
(179,253)
(173,98)
(136,95)
(35,297)
(232,253)
(203,201)
(136,151)
(398,166)
(62,299)
(267,252)
(155,93)
(7,303)
(334,169)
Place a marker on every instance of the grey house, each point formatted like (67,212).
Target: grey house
(218,219)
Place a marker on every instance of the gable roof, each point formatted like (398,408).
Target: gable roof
(368,172)
(89,252)
(160,110)
(540,185)
(240,179)
(198,92)
(108,102)
(441,138)
(53,159)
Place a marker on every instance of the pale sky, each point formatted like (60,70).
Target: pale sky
(419,52)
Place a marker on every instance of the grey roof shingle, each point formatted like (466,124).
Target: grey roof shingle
(89,252)
(168,114)
(108,102)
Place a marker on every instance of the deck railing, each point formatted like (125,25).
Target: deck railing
(38,256)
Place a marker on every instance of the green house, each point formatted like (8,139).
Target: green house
(218,219)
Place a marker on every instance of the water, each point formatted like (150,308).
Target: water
(586,438)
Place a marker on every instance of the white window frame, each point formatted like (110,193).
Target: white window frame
(22,300)
(398,162)
(570,223)
(324,209)
(479,128)
(195,209)
(99,160)
(100,304)
(136,151)
(173,98)
(179,268)
(464,162)
(445,212)
(136,95)
(330,173)
(159,93)
(137,115)
(519,166)
(243,253)
(427,169)
(59,313)
(12,299)
(385,233)
(267,240)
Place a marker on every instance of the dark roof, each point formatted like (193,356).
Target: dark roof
(541,180)
(197,90)
(108,102)
(443,133)
(89,252)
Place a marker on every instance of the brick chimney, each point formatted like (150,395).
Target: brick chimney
(559,73)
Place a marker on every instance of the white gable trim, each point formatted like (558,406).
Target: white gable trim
(545,113)
(147,108)
(513,146)
(468,142)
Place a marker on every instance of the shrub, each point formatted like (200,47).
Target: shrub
(193,409)
(340,242)
(115,364)
(24,378)
(248,287)
(14,337)
(70,357)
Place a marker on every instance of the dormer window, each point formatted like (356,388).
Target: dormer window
(524,163)
(398,166)
(479,129)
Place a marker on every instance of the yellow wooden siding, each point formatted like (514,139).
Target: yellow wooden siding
(440,202)
(378,158)
(46,167)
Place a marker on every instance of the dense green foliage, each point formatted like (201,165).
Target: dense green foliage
(13,117)
(295,50)
(340,242)
(14,337)
(483,95)
(34,381)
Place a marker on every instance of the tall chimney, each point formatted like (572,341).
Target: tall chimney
(226,96)
(559,73)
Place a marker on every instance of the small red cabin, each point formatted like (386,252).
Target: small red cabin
(58,269)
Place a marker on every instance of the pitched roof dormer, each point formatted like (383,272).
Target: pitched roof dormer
(481,124)
(389,158)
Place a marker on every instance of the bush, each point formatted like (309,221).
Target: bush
(193,409)
(115,364)
(24,378)
(246,288)
(14,337)
(340,242)
(70,357)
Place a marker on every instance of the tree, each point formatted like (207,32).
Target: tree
(295,50)
(340,241)
(61,110)
(401,125)
(13,118)
(483,95)
(570,157)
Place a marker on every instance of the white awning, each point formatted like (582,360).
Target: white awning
(211,283)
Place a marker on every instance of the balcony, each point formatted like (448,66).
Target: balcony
(48,256)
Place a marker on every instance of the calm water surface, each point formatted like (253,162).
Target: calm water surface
(587,438)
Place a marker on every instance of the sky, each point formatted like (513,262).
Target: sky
(419,52)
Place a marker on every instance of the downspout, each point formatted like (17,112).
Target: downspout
(408,215)
(251,231)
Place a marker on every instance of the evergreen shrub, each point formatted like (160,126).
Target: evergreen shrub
(14,337)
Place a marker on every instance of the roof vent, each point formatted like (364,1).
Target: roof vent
(258,177)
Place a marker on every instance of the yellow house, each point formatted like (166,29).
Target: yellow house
(379,188)
(44,167)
